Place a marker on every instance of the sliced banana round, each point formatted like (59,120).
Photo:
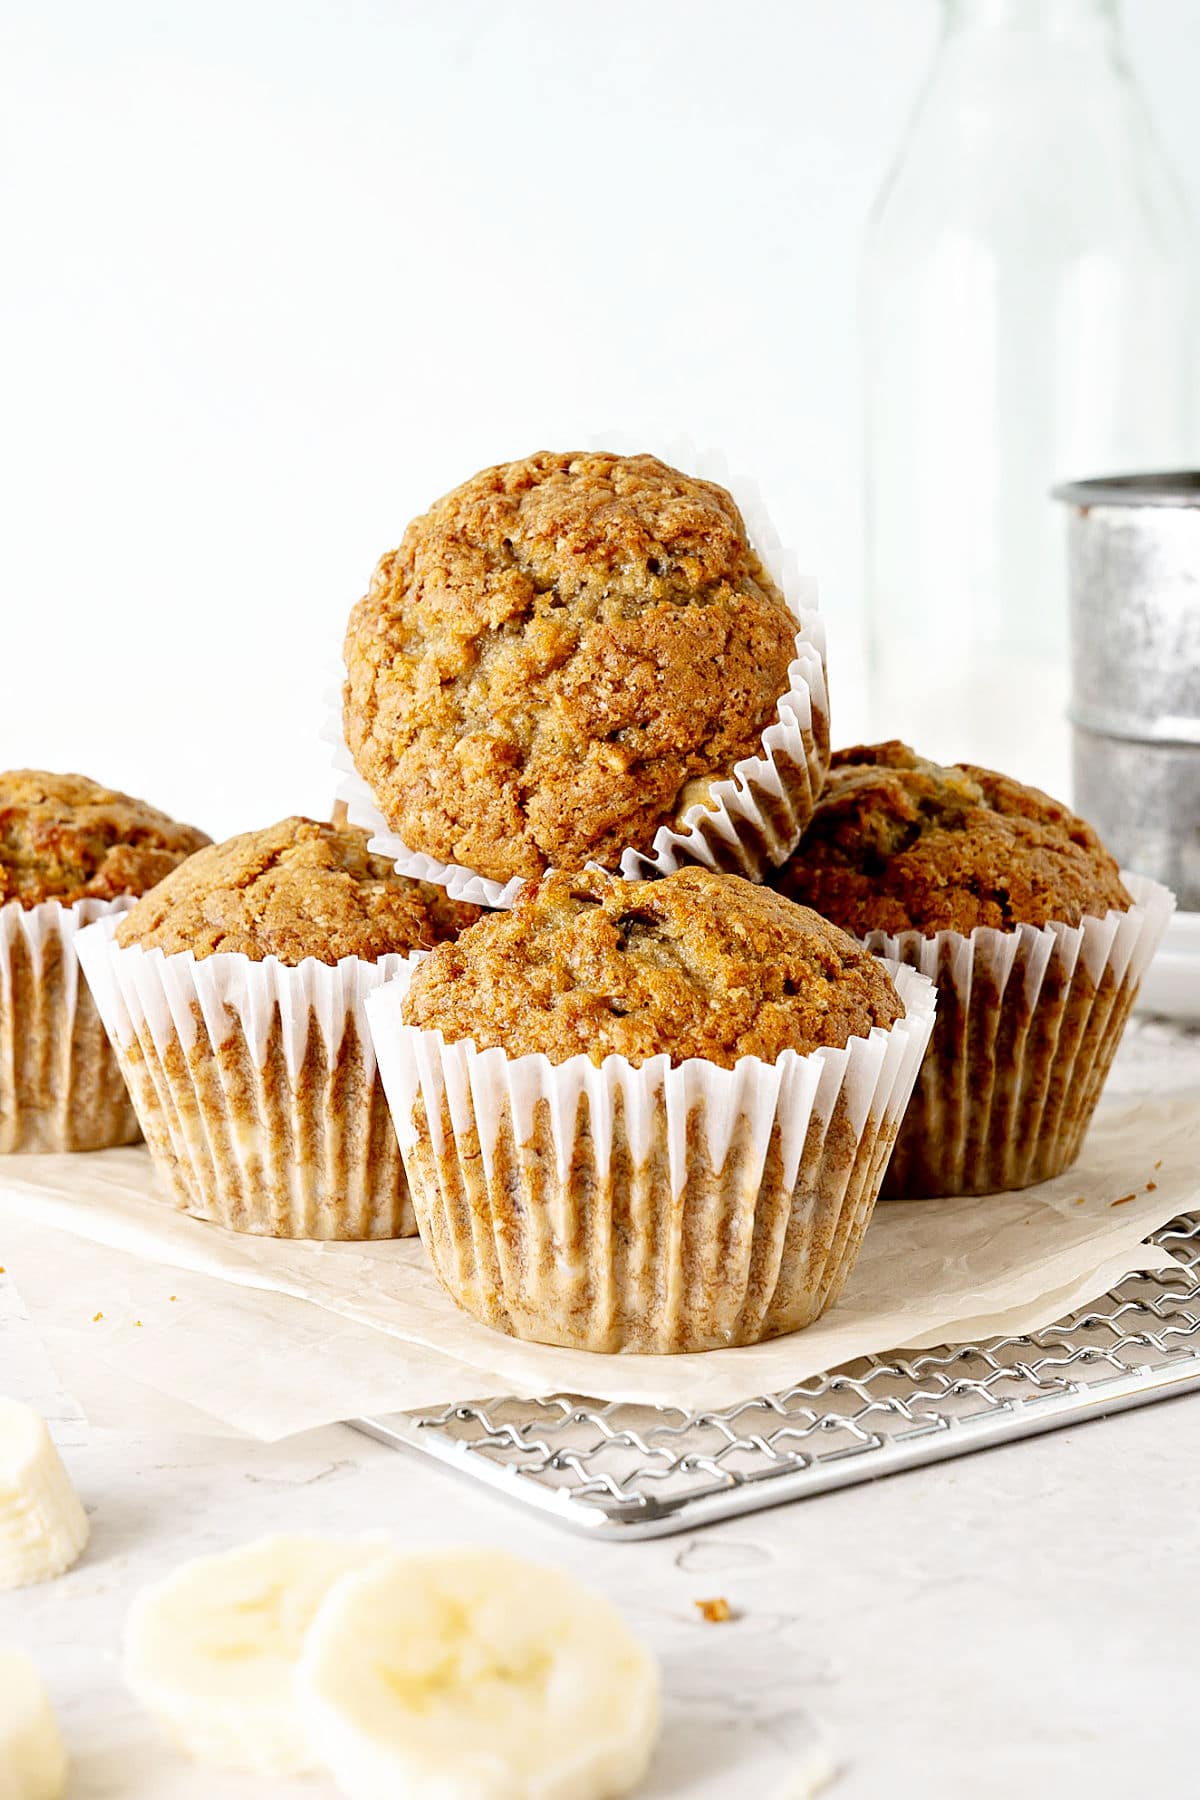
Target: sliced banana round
(43,1527)
(33,1763)
(472,1675)
(211,1650)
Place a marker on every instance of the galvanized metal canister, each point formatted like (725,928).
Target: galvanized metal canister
(1134,543)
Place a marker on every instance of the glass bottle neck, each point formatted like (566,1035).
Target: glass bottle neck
(1097,21)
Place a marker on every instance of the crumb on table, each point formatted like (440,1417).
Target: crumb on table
(714,1612)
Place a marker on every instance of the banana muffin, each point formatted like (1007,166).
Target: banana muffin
(234,995)
(298,889)
(898,843)
(1015,907)
(696,965)
(565,654)
(650,1115)
(65,838)
(71,850)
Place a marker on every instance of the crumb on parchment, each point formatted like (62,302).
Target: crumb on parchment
(714,1612)
(1124,1200)
(96,1317)
(1151,1187)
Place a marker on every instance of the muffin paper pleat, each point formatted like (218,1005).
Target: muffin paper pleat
(1028,1023)
(60,1084)
(256,1086)
(654,1209)
(749,821)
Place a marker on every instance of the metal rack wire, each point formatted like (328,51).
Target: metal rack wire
(625,1471)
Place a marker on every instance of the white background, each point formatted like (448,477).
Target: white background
(277,274)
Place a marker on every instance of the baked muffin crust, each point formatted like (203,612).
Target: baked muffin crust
(898,843)
(295,890)
(558,658)
(696,964)
(66,838)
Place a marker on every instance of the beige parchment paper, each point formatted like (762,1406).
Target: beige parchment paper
(206,1329)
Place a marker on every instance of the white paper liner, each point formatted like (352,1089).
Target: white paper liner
(1028,1024)
(752,819)
(256,1086)
(60,1086)
(648,1208)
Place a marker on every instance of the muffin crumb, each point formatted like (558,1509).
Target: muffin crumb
(714,1612)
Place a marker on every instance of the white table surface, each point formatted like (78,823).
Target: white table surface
(1017,1623)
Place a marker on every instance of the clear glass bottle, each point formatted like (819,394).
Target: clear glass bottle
(1027,317)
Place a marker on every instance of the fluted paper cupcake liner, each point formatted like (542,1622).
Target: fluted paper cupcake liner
(1028,1022)
(60,1085)
(256,1087)
(650,1208)
(749,821)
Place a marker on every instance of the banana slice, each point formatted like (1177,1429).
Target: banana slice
(33,1763)
(211,1651)
(471,1675)
(43,1528)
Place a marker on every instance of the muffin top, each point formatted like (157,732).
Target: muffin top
(898,843)
(693,965)
(295,890)
(65,838)
(560,656)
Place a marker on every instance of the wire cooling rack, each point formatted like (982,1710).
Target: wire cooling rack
(623,1471)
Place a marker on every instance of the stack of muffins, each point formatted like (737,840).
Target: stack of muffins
(615,986)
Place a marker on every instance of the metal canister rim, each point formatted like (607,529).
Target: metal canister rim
(1170,733)
(1171,487)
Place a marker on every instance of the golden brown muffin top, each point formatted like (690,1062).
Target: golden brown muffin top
(65,838)
(295,890)
(898,843)
(558,649)
(693,965)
